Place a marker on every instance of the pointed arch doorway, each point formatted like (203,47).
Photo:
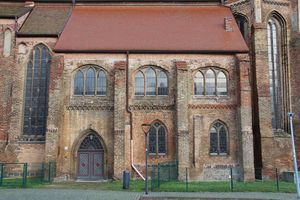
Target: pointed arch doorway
(90,158)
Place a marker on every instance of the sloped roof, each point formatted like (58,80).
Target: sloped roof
(45,21)
(12,11)
(150,28)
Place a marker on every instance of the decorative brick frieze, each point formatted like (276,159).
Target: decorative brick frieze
(276,3)
(151,107)
(119,132)
(212,106)
(86,107)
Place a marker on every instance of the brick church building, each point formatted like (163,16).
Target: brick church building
(214,79)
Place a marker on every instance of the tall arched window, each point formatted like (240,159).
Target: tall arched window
(90,80)
(7,42)
(157,139)
(218,139)
(275,35)
(243,25)
(36,95)
(151,81)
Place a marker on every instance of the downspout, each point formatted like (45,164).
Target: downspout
(130,116)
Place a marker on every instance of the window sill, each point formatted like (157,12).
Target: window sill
(219,154)
(159,154)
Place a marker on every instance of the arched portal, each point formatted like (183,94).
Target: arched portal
(90,158)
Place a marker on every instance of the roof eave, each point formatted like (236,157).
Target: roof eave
(154,51)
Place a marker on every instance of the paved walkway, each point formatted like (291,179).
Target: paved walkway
(70,194)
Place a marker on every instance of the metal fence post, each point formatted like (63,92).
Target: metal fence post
(1,175)
(49,172)
(42,172)
(186,180)
(24,181)
(231,180)
(277,180)
(169,171)
(158,176)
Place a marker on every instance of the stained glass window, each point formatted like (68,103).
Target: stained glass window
(36,94)
(218,139)
(157,139)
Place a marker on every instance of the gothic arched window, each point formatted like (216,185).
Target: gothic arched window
(151,81)
(90,80)
(243,25)
(210,82)
(157,139)
(36,93)
(218,139)
(275,59)
(199,84)
(7,42)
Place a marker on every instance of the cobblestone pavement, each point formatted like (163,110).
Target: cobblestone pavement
(70,194)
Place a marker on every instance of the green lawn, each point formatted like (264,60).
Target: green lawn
(175,186)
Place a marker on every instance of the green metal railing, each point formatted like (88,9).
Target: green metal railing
(26,174)
(162,173)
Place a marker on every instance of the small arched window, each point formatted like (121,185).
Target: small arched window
(157,139)
(221,84)
(199,84)
(243,25)
(101,83)
(36,94)
(156,82)
(78,83)
(139,84)
(7,42)
(210,82)
(218,139)
(90,80)
(150,82)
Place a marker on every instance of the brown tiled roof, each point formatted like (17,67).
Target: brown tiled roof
(12,11)
(150,28)
(45,21)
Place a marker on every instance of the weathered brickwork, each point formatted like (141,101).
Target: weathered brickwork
(117,117)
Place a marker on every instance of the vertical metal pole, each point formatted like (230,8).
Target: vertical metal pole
(1,175)
(24,175)
(294,155)
(186,180)
(231,180)
(146,179)
(49,172)
(158,178)
(277,180)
